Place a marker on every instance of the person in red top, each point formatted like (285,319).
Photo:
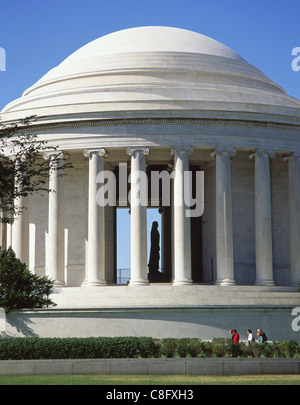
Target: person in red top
(236,337)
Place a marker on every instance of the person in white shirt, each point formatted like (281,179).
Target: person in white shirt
(250,336)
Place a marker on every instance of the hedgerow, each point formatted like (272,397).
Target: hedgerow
(12,348)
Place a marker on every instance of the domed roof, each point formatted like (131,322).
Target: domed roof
(151,39)
(151,68)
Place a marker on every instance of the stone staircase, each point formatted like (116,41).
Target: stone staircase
(167,295)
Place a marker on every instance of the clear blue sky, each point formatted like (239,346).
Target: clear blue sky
(37,35)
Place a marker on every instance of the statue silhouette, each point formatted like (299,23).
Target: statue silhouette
(154,274)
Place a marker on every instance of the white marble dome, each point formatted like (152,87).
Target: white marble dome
(151,68)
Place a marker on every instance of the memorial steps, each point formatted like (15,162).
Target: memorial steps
(167,295)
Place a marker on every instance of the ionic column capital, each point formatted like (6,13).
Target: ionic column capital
(131,150)
(293,156)
(101,152)
(186,149)
(53,155)
(262,152)
(19,158)
(223,149)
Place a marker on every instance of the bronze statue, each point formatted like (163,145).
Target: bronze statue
(154,273)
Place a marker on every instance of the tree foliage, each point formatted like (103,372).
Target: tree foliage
(19,288)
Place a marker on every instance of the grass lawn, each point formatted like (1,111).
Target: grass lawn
(150,380)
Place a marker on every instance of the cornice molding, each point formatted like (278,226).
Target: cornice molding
(162,121)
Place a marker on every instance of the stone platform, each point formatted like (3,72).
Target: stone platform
(160,310)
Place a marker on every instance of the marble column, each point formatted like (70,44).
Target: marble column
(182,225)
(96,222)
(224,226)
(3,231)
(294,212)
(138,210)
(55,265)
(20,227)
(263,217)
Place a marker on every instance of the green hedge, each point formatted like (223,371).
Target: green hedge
(138,347)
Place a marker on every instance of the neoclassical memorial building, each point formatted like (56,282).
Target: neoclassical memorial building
(155,99)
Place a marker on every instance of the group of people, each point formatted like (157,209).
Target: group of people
(262,337)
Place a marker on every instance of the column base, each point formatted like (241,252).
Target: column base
(265,282)
(225,282)
(94,283)
(59,283)
(295,284)
(182,282)
(134,283)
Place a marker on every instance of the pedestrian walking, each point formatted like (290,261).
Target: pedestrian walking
(262,337)
(250,336)
(236,337)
